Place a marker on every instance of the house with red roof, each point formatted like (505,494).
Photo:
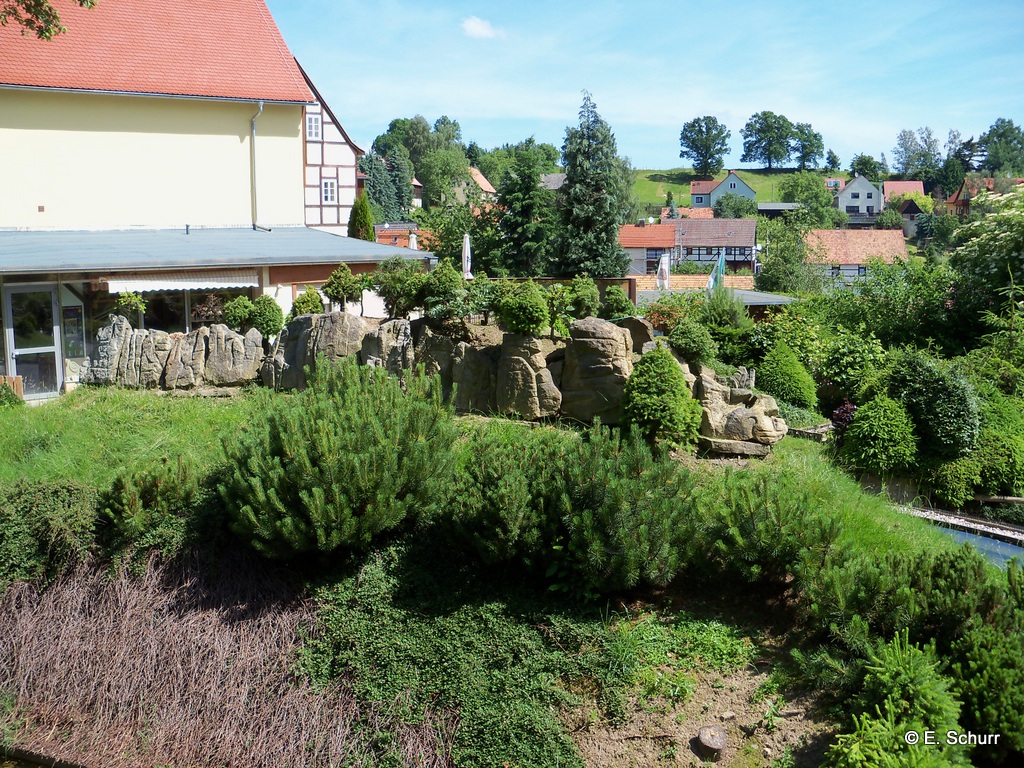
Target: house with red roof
(959,203)
(704,194)
(698,240)
(892,188)
(846,253)
(169,149)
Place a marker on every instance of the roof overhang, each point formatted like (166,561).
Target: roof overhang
(103,252)
(149,95)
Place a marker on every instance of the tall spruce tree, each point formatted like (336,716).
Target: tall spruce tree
(526,223)
(360,221)
(591,208)
(380,188)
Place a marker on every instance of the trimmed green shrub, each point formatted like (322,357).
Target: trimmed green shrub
(1000,449)
(782,375)
(657,402)
(508,499)
(8,397)
(628,509)
(267,316)
(399,282)
(617,303)
(940,400)
(309,302)
(342,286)
(953,481)
(846,358)
(586,298)
(238,313)
(670,308)
(339,464)
(691,340)
(524,308)
(880,439)
(443,295)
(560,308)
(169,509)
(44,529)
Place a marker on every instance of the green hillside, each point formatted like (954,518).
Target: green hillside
(651,186)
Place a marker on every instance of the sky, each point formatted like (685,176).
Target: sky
(859,73)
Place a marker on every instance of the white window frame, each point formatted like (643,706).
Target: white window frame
(314,127)
(329,191)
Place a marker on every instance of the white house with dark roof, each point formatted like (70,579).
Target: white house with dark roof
(175,163)
(704,194)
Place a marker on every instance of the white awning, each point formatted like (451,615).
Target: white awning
(192,280)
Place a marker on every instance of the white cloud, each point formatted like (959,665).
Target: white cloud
(474,27)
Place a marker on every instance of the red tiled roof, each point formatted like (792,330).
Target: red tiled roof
(225,49)
(703,187)
(689,213)
(481,181)
(647,236)
(855,246)
(714,232)
(890,188)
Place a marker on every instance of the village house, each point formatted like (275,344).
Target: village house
(846,253)
(697,240)
(704,194)
(184,161)
(861,200)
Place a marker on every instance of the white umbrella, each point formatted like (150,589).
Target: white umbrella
(467,258)
(662,279)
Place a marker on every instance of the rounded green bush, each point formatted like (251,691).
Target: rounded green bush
(238,312)
(657,401)
(524,308)
(585,297)
(309,302)
(783,376)
(693,341)
(443,292)
(267,316)
(881,438)
(617,303)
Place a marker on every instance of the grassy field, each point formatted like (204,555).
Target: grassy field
(651,186)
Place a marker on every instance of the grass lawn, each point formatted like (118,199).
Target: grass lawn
(651,186)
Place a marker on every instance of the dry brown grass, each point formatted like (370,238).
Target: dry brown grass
(183,667)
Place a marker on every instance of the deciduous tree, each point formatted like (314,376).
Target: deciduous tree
(1004,148)
(36,16)
(733,206)
(868,167)
(705,142)
(816,201)
(766,139)
(831,162)
(807,146)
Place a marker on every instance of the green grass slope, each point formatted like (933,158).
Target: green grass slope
(651,185)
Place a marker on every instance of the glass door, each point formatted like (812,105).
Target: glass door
(31,322)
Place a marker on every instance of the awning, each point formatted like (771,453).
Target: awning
(192,280)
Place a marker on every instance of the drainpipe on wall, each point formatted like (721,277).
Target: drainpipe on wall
(252,170)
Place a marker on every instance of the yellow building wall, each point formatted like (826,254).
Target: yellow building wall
(88,161)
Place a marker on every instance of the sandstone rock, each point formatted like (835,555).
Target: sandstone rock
(474,372)
(110,343)
(598,362)
(436,354)
(283,368)
(233,359)
(186,363)
(389,347)
(335,335)
(640,331)
(719,447)
(523,385)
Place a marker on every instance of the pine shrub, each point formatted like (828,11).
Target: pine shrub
(880,439)
(508,498)
(267,316)
(443,295)
(657,402)
(337,465)
(617,303)
(524,308)
(783,376)
(399,284)
(628,512)
(952,481)
(693,341)
(586,298)
(342,287)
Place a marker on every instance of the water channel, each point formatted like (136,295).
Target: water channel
(996,552)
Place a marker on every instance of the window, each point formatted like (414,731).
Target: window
(698,199)
(653,258)
(870,195)
(853,209)
(855,195)
(732,185)
(313,127)
(862,271)
(330,191)
(836,271)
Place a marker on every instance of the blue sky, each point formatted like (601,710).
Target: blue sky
(857,72)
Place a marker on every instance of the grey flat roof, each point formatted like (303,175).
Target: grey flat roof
(138,249)
(777,206)
(749,298)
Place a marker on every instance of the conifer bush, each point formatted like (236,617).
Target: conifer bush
(628,512)
(585,296)
(238,312)
(267,316)
(399,283)
(693,341)
(523,308)
(508,498)
(657,402)
(443,295)
(880,439)
(617,303)
(309,302)
(342,287)
(335,466)
(783,376)
(8,397)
